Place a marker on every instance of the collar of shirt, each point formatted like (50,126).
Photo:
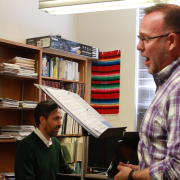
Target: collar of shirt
(165,73)
(43,138)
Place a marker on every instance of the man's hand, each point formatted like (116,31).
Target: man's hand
(129,165)
(123,174)
(125,169)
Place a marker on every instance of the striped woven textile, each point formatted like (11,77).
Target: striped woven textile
(105,82)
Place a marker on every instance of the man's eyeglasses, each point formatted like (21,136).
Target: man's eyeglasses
(147,39)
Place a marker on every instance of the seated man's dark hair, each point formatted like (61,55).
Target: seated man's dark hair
(44,108)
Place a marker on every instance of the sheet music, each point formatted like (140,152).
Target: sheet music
(78,109)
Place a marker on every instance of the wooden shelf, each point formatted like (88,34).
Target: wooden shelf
(74,162)
(8,140)
(17,87)
(16,45)
(82,66)
(16,108)
(64,80)
(72,135)
(22,87)
(66,54)
(9,76)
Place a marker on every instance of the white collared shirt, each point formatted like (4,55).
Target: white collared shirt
(43,138)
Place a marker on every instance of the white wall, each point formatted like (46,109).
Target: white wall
(21,19)
(113,30)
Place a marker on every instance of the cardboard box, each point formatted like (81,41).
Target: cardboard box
(65,45)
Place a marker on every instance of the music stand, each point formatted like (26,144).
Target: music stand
(89,119)
(84,155)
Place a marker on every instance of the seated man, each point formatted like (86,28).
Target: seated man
(38,156)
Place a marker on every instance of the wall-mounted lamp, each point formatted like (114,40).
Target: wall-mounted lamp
(57,7)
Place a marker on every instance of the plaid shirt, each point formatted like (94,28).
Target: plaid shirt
(159,146)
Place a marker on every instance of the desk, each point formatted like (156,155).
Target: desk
(60,176)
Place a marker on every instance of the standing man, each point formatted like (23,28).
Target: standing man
(38,156)
(159,146)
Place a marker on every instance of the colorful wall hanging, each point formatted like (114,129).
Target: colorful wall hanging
(105,82)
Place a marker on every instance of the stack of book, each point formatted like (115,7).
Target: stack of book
(69,126)
(77,88)
(19,132)
(28,104)
(27,66)
(12,69)
(55,84)
(5,102)
(68,70)
(6,137)
(60,68)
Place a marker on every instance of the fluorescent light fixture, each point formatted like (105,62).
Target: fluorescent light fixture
(57,7)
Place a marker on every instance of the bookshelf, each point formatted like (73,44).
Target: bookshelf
(22,88)
(82,66)
(18,88)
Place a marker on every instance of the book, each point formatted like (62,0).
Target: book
(59,68)
(63,65)
(28,104)
(79,149)
(82,112)
(19,66)
(16,133)
(63,132)
(68,86)
(6,137)
(55,67)
(18,127)
(69,70)
(74,148)
(66,153)
(9,68)
(62,119)
(51,67)
(21,60)
(25,65)
(76,72)
(68,125)
(68,150)
(6,102)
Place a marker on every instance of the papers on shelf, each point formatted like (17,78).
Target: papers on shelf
(6,137)
(17,132)
(17,128)
(19,66)
(28,104)
(5,102)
